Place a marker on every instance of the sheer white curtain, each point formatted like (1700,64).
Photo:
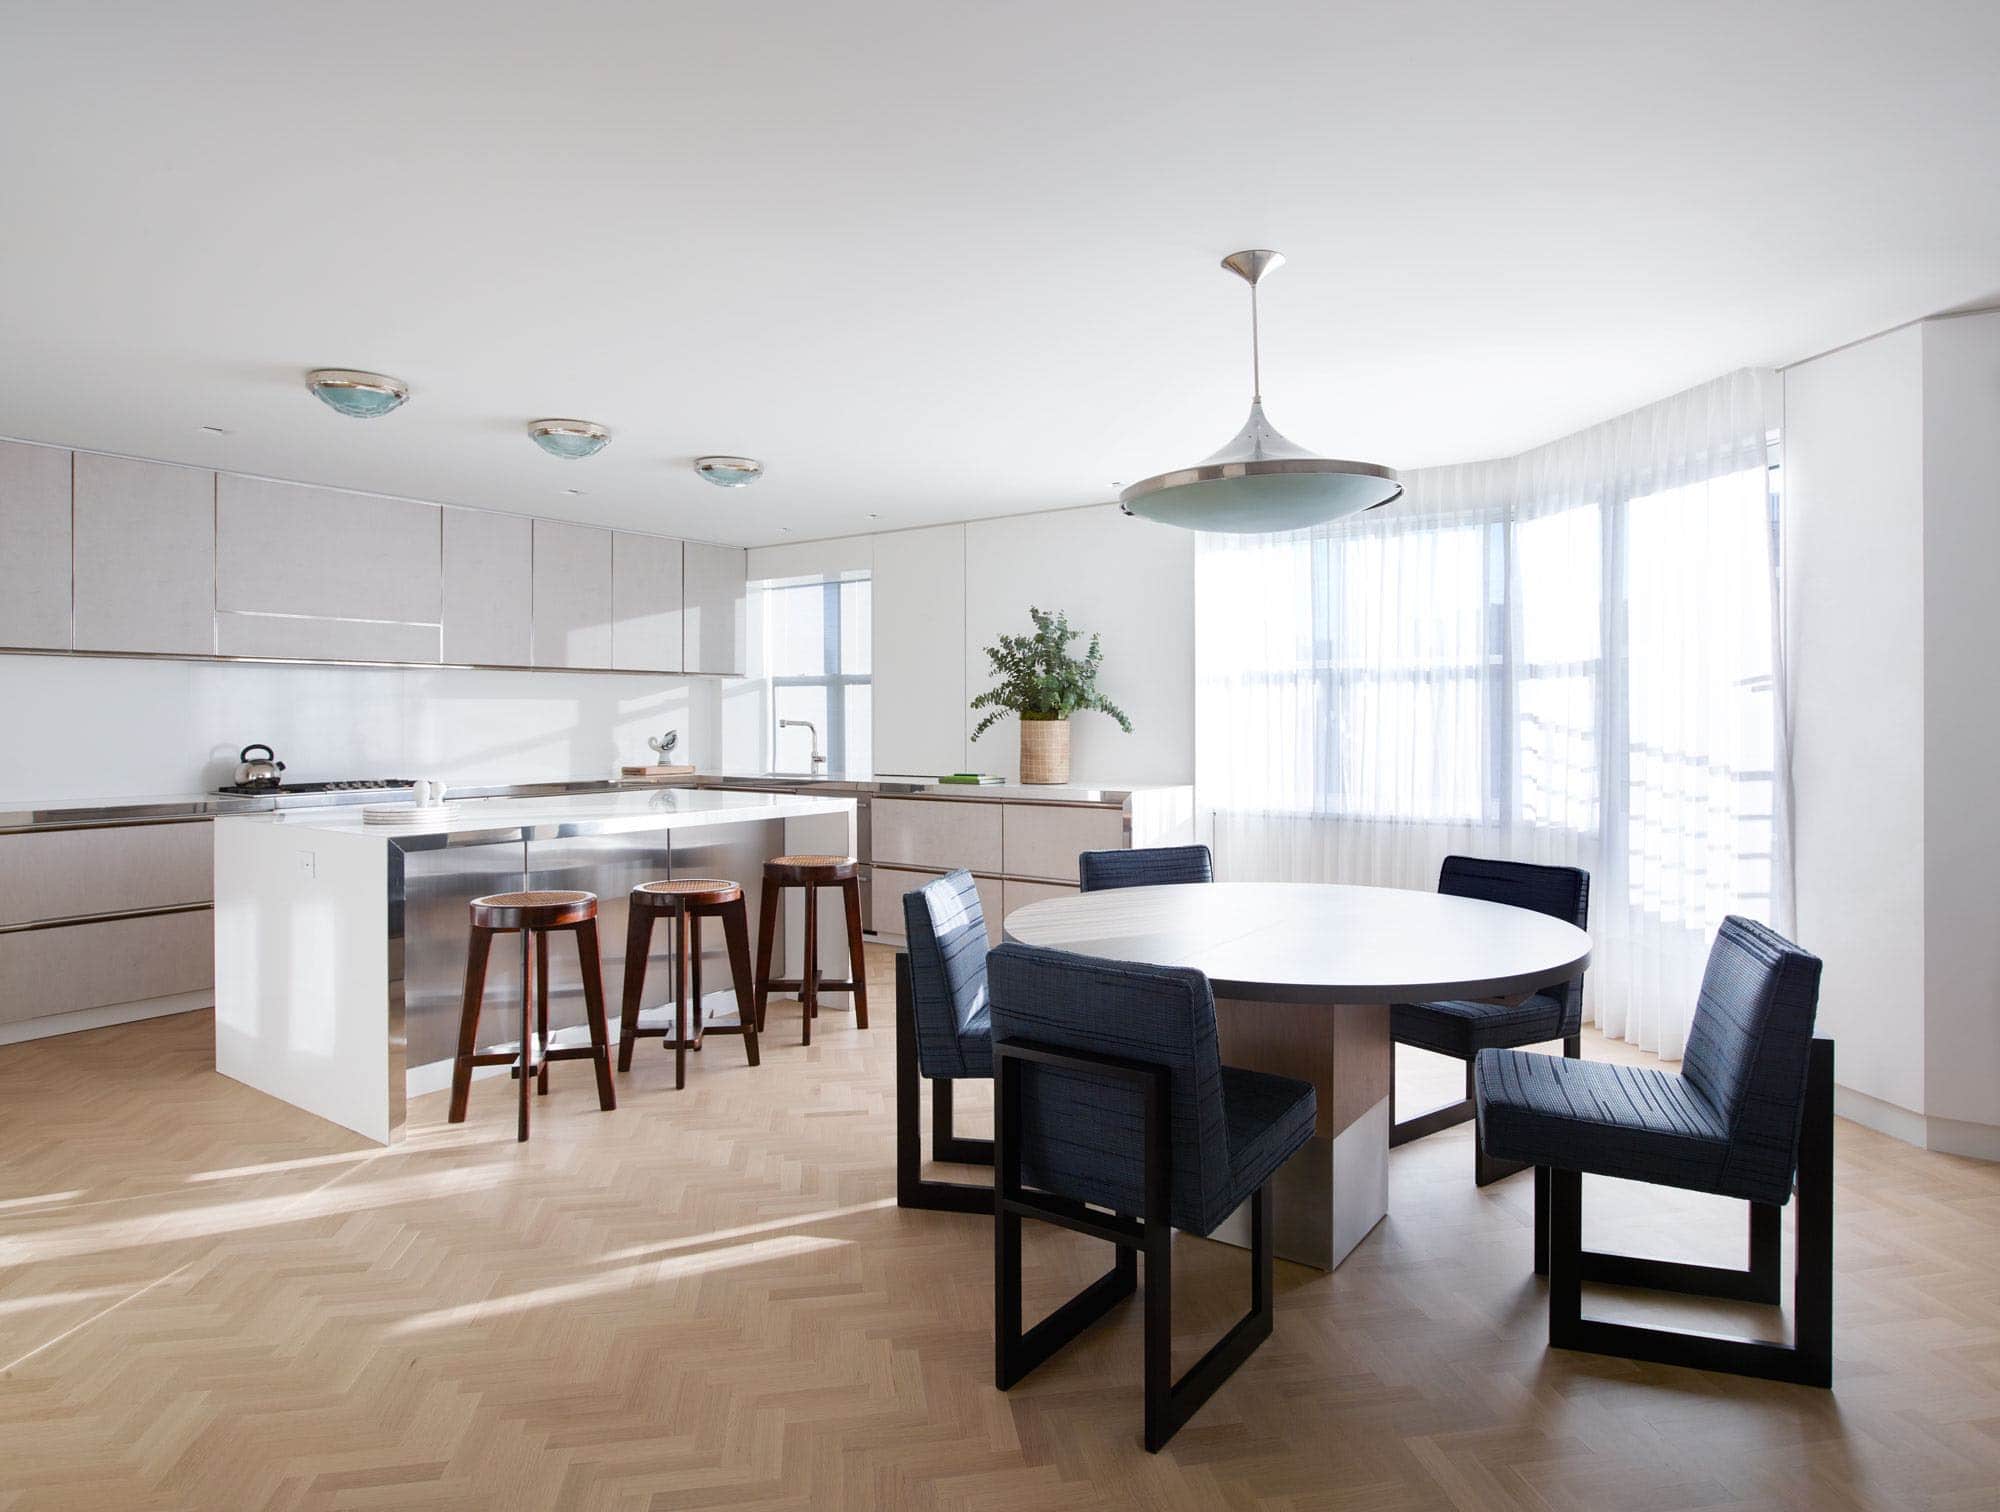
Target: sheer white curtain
(1567,656)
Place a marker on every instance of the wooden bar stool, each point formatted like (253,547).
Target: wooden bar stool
(533,916)
(812,873)
(688,903)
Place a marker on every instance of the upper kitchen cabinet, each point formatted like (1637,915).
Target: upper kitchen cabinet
(489,588)
(646,602)
(716,594)
(919,668)
(572,595)
(144,556)
(34,546)
(321,573)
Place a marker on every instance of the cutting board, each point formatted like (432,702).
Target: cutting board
(656,771)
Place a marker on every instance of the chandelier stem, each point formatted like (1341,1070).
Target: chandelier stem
(1256,354)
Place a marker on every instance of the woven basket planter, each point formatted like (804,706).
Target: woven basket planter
(1045,750)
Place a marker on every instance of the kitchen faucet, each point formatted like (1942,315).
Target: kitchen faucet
(818,760)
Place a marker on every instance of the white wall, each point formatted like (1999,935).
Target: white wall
(1855,639)
(90,727)
(1892,455)
(1130,581)
(941,595)
(1962,724)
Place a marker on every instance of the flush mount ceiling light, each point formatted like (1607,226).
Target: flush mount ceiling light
(569,438)
(729,472)
(1260,482)
(362,395)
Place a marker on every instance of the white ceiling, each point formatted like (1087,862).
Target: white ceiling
(941,259)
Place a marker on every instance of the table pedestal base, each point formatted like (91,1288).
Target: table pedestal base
(1329,1196)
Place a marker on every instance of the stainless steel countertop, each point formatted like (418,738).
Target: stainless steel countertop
(182,808)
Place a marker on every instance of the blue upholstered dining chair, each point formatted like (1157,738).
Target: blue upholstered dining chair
(1111,1092)
(1462,1029)
(1155,866)
(942,1035)
(1750,1116)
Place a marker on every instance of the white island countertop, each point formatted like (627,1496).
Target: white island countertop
(572,814)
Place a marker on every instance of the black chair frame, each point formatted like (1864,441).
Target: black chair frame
(912,1189)
(1486,1169)
(1806,1361)
(1169,1403)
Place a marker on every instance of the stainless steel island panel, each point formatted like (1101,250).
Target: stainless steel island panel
(440,880)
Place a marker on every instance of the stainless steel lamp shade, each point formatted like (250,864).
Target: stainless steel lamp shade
(1260,482)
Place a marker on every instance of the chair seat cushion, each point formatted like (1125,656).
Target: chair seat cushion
(1269,1118)
(1626,1121)
(1463,1029)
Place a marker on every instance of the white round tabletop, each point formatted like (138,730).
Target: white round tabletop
(1311,942)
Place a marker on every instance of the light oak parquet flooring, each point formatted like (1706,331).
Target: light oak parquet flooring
(709,1299)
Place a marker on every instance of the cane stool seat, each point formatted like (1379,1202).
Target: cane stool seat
(817,871)
(672,893)
(532,910)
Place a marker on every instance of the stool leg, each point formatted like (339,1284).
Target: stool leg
(809,966)
(736,934)
(638,945)
(694,969)
(857,963)
(542,1009)
(593,1009)
(680,998)
(767,933)
(468,1020)
(527,1029)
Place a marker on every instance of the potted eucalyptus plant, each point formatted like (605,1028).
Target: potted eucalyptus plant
(1041,682)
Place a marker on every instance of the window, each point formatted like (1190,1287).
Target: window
(816,650)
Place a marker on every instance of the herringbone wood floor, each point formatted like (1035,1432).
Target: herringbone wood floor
(709,1299)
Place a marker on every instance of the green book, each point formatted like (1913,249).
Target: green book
(969,777)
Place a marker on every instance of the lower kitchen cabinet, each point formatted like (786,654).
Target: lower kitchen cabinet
(1018,894)
(61,968)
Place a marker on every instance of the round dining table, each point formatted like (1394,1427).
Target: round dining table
(1303,975)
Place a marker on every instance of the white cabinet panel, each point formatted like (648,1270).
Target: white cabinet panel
(937,833)
(919,650)
(296,638)
(572,595)
(891,882)
(646,603)
(144,556)
(716,589)
(44,971)
(284,548)
(1044,839)
(61,873)
(34,546)
(489,587)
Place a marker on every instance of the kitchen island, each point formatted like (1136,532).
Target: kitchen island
(340,945)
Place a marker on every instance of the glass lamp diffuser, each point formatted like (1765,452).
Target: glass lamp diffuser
(359,395)
(569,439)
(729,472)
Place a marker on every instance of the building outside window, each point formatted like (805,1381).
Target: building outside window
(816,635)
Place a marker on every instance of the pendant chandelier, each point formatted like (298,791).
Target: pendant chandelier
(1260,483)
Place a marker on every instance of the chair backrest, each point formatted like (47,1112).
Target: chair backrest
(1749,1044)
(1082,1136)
(1156,866)
(1561,892)
(946,931)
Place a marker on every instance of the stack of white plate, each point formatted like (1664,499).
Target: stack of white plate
(406,813)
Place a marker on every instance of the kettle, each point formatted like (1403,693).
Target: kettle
(262,772)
